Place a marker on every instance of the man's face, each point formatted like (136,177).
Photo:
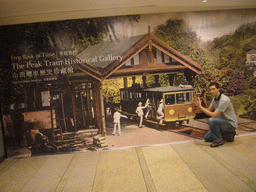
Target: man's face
(214,91)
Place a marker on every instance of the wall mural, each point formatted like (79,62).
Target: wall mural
(112,82)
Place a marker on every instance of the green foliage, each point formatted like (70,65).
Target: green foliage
(180,78)
(180,36)
(230,50)
(249,104)
(234,82)
(201,84)
(163,80)
(252,84)
(110,88)
(238,102)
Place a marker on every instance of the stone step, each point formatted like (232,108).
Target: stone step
(80,134)
(100,141)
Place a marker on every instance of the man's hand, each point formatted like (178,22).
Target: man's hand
(198,102)
(208,111)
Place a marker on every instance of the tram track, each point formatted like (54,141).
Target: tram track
(179,129)
(174,127)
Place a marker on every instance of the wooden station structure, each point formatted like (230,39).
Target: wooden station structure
(68,105)
(130,57)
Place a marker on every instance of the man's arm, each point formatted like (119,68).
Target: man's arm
(208,111)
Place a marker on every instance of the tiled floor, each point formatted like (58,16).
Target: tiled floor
(186,166)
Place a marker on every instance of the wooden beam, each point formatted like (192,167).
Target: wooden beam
(156,80)
(88,73)
(171,79)
(178,59)
(125,82)
(142,44)
(150,69)
(144,78)
(158,41)
(133,80)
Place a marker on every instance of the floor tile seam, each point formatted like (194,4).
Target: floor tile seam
(34,173)
(230,168)
(189,167)
(8,166)
(252,135)
(145,170)
(249,157)
(64,179)
(96,170)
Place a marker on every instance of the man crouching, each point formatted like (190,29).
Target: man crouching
(223,117)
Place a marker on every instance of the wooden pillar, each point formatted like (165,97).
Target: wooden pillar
(63,113)
(99,107)
(74,111)
(89,106)
(133,80)
(102,111)
(157,81)
(125,82)
(144,78)
(171,79)
(190,75)
(82,108)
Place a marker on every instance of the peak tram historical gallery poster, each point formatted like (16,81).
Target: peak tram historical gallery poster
(124,81)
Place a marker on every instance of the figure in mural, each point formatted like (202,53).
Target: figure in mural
(148,103)
(160,112)
(223,118)
(30,134)
(18,121)
(140,113)
(117,116)
(42,146)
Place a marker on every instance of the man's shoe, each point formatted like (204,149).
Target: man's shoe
(217,144)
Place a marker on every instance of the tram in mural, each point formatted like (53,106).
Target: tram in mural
(163,105)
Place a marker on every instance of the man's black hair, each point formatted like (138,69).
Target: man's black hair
(214,84)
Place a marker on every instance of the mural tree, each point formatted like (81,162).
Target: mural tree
(230,50)
(180,36)
(250,105)
(234,82)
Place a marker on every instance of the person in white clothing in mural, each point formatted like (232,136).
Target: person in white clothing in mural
(117,123)
(160,112)
(148,104)
(140,113)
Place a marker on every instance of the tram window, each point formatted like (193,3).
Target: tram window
(189,96)
(180,98)
(169,99)
(135,95)
(131,95)
(124,95)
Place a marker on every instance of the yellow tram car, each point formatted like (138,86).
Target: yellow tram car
(176,103)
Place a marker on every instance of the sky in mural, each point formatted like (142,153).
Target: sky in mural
(207,24)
